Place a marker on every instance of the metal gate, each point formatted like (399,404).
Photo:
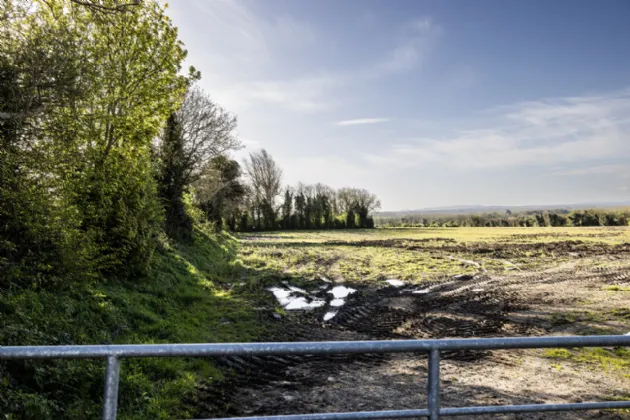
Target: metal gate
(114,353)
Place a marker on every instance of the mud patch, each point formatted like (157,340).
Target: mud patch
(463,306)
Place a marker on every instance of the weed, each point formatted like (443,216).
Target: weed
(557,353)
(617,288)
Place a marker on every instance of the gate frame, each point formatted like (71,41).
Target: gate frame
(113,354)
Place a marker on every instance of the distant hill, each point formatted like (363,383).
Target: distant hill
(471,209)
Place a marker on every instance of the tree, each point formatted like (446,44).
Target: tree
(95,89)
(207,131)
(357,201)
(265,180)
(220,192)
(300,205)
(287,207)
(171,180)
(365,203)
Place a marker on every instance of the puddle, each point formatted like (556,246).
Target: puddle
(477,290)
(296,298)
(330,315)
(337,302)
(298,290)
(395,282)
(289,301)
(421,291)
(340,292)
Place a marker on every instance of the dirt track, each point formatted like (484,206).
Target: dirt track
(484,305)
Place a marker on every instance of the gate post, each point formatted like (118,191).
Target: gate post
(433,385)
(110,397)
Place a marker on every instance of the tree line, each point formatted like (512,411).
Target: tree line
(108,148)
(530,218)
(254,199)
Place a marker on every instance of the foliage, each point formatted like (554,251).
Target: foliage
(548,218)
(89,90)
(172,180)
(182,300)
(219,191)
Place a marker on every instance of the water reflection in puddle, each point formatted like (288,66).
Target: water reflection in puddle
(340,292)
(329,315)
(337,302)
(296,298)
(288,300)
(395,282)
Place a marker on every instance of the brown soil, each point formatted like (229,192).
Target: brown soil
(516,304)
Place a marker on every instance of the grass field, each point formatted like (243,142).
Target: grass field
(449,282)
(417,254)
(453,282)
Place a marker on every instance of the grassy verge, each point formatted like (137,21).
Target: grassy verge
(186,298)
(615,360)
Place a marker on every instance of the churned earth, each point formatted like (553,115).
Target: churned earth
(439,283)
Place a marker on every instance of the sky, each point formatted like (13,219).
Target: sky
(426,103)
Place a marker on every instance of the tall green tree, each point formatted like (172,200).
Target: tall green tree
(96,85)
(172,180)
(287,207)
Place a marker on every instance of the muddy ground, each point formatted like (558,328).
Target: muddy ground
(559,300)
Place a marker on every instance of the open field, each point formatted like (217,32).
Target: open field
(466,282)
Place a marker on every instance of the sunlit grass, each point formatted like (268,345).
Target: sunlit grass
(615,360)
(414,254)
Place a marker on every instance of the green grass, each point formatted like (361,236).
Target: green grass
(418,254)
(617,289)
(615,360)
(206,291)
(186,298)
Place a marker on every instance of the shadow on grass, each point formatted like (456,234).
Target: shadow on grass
(191,295)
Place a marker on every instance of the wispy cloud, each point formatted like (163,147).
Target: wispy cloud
(378,160)
(362,121)
(307,94)
(551,132)
(325,169)
(416,42)
(620,170)
(243,52)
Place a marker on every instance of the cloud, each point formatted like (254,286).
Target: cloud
(242,55)
(362,121)
(334,170)
(412,49)
(611,169)
(552,132)
(252,58)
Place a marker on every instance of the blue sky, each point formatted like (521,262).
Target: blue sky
(426,103)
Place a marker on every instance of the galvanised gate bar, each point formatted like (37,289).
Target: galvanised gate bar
(114,354)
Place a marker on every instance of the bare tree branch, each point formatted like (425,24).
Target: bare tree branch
(207,131)
(265,176)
